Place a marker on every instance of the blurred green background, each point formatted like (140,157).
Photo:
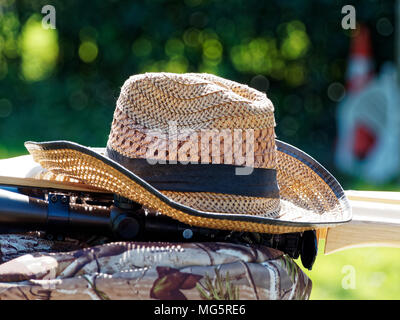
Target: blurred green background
(63,83)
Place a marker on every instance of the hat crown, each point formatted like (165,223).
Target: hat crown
(195,101)
(193,117)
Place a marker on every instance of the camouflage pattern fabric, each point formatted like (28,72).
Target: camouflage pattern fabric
(35,268)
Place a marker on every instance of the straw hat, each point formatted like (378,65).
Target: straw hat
(202,149)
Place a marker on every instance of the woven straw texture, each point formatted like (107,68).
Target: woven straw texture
(196,101)
(222,146)
(228,121)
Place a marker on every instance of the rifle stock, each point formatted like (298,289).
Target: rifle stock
(376,222)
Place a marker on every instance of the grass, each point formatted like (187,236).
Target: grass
(356,274)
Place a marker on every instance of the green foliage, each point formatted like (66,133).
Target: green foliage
(63,83)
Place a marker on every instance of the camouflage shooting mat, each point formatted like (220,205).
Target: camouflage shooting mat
(35,268)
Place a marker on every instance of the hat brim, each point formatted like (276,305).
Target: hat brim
(311,198)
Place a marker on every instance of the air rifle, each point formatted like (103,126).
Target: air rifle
(60,209)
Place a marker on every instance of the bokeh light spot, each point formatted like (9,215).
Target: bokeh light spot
(259,56)
(206,67)
(384,27)
(78,100)
(88,51)
(191,37)
(142,47)
(212,49)
(39,49)
(9,28)
(296,44)
(177,65)
(336,91)
(260,83)
(174,47)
